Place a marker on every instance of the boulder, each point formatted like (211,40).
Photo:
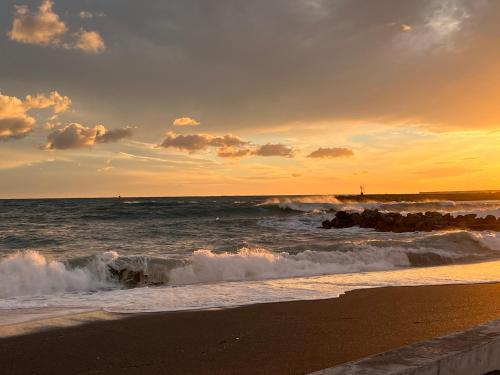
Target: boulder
(396,222)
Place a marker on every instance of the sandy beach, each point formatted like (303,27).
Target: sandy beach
(276,338)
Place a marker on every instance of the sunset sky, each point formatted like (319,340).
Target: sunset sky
(233,97)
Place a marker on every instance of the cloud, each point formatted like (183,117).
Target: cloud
(15,122)
(406,27)
(442,23)
(228,146)
(114,135)
(13,128)
(73,136)
(231,152)
(78,136)
(54,99)
(45,28)
(185,121)
(89,41)
(85,14)
(335,152)
(339,83)
(197,142)
(274,150)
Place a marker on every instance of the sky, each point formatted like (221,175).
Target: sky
(234,97)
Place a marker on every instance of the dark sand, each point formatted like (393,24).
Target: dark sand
(278,338)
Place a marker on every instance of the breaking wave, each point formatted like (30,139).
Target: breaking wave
(328,203)
(312,204)
(30,273)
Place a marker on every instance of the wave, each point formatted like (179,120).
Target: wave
(30,273)
(313,204)
(329,203)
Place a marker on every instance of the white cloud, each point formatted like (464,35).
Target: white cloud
(442,21)
(406,27)
(55,100)
(15,122)
(89,41)
(44,27)
(185,121)
(85,14)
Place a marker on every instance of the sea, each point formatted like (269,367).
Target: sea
(133,255)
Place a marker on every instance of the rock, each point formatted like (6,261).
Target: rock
(326,224)
(343,219)
(490,220)
(396,222)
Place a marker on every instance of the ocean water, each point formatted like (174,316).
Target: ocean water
(64,255)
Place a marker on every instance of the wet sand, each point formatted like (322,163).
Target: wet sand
(277,338)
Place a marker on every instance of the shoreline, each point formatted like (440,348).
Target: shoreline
(381,197)
(284,337)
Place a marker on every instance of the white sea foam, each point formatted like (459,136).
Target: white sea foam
(30,273)
(257,264)
(225,294)
(490,240)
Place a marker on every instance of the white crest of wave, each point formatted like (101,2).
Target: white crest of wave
(257,264)
(490,239)
(322,203)
(303,199)
(311,203)
(30,273)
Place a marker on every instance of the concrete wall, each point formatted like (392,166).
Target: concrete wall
(472,352)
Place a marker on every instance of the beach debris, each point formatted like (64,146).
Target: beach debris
(411,222)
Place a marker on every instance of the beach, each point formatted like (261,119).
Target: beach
(249,187)
(231,285)
(276,338)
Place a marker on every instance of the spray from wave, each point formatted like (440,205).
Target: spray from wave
(312,204)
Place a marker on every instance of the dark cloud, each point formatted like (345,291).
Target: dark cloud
(13,128)
(228,146)
(231,152)
(78,136)
(114,135)
(197,142)
(324,60)
(335,152)
(274,150)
